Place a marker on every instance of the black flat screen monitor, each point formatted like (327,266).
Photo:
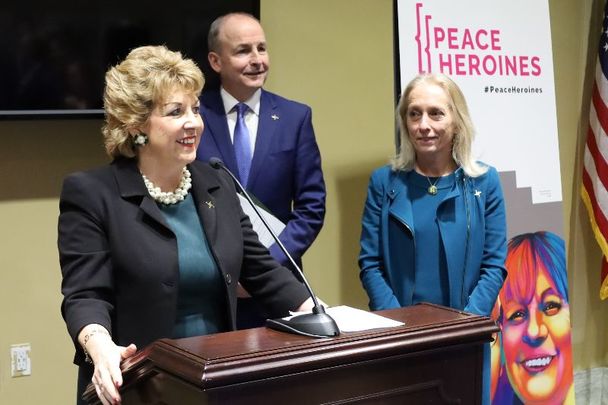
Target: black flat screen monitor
(54,54)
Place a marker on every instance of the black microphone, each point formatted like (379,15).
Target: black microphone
(316,324)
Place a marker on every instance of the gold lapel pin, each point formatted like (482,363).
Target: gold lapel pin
(209,204)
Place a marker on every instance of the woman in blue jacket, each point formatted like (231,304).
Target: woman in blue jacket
(434,221)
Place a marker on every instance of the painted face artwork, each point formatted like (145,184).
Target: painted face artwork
(536,343)
(536,331)
(495,352)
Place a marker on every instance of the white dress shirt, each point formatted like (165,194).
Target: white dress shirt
(252,116)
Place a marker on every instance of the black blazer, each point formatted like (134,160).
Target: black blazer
(119,257)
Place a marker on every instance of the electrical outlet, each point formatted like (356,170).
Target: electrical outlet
(21,363)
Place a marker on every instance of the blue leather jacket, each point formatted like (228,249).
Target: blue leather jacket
(472,226)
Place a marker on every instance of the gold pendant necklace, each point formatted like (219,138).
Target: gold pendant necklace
(432,190)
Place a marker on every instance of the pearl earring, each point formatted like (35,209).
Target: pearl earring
(140,139)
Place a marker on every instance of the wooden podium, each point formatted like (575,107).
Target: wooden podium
(435,358)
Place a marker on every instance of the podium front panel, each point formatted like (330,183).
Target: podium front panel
(425,361)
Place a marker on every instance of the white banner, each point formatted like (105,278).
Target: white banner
(499,53)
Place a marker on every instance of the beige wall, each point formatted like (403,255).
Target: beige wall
(339,61)
(33,159)
(336,56)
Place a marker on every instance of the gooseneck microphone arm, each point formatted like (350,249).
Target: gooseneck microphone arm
(316,324)
(218,164)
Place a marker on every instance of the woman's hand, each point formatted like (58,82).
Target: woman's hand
(308,305)
(107,377)
(106,356)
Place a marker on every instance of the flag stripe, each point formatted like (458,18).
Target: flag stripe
(599,134)
(594,156)
(598,219)
(601,112)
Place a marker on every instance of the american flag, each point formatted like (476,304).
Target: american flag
(594,190)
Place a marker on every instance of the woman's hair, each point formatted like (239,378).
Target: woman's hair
(465,132)
(527,255)
(134,86)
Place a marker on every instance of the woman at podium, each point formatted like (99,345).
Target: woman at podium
(433,227)
(154,244)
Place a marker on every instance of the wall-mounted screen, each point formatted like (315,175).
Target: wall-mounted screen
(55,54)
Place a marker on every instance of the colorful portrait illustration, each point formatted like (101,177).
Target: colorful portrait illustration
(534,317)
(497,369)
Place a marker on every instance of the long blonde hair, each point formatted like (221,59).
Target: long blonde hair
(465,132)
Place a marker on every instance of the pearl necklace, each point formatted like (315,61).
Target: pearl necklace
(168,198)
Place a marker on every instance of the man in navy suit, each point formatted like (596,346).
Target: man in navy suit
(283,168)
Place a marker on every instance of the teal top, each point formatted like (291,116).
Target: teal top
(201,298)
(431,270)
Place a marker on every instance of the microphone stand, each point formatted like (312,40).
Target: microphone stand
(316,324)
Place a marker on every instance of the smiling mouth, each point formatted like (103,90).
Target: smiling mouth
(187,141)
(538,364)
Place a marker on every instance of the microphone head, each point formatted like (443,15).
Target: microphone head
(215,162)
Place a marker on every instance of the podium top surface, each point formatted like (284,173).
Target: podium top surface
(235,357)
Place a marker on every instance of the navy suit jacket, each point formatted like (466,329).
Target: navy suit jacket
(285,174)
(119,256)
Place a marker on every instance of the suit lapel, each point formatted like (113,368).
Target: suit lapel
(400,205)
(203,191)
(216,126)
(131,186)
(268,123)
